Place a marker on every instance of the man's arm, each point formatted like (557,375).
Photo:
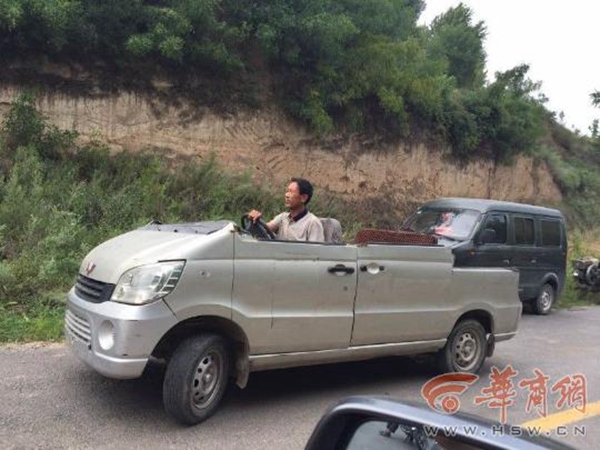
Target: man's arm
(273,225)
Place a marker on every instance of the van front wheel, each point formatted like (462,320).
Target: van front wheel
(196,378)
(544,301)
(465,348)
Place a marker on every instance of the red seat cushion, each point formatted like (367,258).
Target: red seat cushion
(368,235)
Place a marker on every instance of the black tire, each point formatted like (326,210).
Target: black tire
(544,301)
(196,378)
(467,334)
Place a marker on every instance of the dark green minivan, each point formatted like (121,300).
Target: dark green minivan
(490,233)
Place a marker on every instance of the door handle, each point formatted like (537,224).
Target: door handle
(340,268)
(364,268)
(506,262)
(534,261)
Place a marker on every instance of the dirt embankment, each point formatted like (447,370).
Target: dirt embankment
(273,148)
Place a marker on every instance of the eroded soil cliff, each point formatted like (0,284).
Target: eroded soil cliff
(273,148)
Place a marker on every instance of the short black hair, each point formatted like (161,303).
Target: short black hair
(305,187)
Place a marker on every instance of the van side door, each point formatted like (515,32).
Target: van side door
(554,251)
(293,296)
(526,254)
(402,294)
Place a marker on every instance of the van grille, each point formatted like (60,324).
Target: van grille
(92,290)
(78,327)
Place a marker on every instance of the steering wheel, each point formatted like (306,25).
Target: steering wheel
(258,229)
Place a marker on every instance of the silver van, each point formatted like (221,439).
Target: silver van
(217,301)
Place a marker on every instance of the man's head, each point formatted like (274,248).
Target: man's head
(298,194)
(447,216)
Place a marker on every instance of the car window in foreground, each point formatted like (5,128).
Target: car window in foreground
(457,224)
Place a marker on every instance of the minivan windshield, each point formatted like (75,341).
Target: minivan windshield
(450,223)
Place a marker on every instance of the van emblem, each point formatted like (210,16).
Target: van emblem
(90,268)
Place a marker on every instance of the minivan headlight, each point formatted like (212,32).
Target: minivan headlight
(145,284)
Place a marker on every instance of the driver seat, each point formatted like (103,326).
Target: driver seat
(332,230)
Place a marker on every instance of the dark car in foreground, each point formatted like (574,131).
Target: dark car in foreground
(361,423)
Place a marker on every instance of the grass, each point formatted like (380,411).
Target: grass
(38,323)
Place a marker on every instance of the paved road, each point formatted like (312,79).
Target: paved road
(50,400)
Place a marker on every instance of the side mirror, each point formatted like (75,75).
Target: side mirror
(488,236)
(381,423)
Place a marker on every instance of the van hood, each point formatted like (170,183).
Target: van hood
(150,244)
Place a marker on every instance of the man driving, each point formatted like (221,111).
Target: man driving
(298,224)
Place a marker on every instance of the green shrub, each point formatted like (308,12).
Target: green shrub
(578,179)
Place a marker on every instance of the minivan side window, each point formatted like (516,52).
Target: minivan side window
(497,222)
(550,233)
(524,231)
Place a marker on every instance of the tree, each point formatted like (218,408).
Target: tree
(456,39)
(595,98)
(594,128)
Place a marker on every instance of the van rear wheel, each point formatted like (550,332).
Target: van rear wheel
(544,301)
(465,348)
(196,378)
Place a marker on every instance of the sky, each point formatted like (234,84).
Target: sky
(559,40)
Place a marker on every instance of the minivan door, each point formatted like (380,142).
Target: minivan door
(491,247)
(294,296)
(402,294)
(526,255)
(553,249)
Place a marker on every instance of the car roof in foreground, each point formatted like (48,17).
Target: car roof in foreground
(485,205)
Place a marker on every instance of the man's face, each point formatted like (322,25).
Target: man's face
(293,199)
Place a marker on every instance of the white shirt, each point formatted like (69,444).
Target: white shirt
(307,228)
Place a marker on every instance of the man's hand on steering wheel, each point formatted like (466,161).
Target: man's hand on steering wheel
(253,224)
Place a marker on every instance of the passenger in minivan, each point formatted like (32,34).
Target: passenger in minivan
(445,225)
(298,223)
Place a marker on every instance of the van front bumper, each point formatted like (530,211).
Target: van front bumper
(115,339)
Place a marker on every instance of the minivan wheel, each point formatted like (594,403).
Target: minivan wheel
(465,348)
(544,301)
(196,378)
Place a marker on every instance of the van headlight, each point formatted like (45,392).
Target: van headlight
(145,284)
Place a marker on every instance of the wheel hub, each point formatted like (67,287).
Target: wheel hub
(466,350)
(206,379)
(545,300)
